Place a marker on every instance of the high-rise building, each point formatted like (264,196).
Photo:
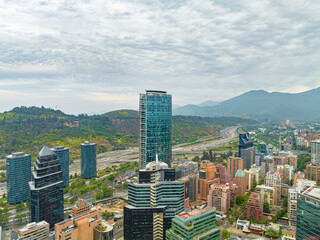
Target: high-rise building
(46,189)
(233,164)
(222,174)
(263,149)
(248,156)
(239,180)
(312,172)
(286,173)
(266,194)
(297,175)
(244,142)
(308,214)
(144,222)
(219,197)
(155,110)
(207,176)
(62,154)
(156,188)
(246,150)
(80,227)
(273,179)
(198,224)
(39,231)
(18,176)
(254,207)
(187,168)
(315,151)
(88,160)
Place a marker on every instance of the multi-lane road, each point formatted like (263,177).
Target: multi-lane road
(132,154)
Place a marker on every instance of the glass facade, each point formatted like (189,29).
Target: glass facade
(308,217)
(244,142)
(18,176)
(143,223)
(46,189)
(199,224)
(88,160)
(62,154)
(155,127)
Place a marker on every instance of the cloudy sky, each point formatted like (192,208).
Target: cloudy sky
(97,56)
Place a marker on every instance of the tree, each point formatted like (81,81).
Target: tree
(19,207)
(107,215)
(231,221)
(4,216)
(266,207)
(240,199)
(20,217)
(225,234)
(3,195)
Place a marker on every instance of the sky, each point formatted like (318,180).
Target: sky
(97,56)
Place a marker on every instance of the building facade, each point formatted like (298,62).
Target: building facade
(188,168)
(239,180)
(144,222)
(308,214)
(219,197)
(39,231)
(315,152)
(198,224)
(18,166)
(254,207)
(312,172)
(80,227)
(88,160)
(46,189)
(207,176)
(155,109)
(233,164)
(62,154)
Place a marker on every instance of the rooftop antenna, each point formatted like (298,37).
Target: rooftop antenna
(157,160)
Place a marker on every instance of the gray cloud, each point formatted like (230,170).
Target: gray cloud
(93,56)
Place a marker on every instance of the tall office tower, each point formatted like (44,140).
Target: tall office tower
(233,164)
(18,176)
(246,150)
(308,214)
(39,231)
(244,142)
(46,189)
(155,127)
(187,168)
(88,159)
(62,154)
(143,222)
(198,224)
(156,188)
(315,151)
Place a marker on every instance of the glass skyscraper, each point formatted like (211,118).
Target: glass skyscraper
(88,159)
(18,176)
(155,109)
(46,189)
(62,154)
(308,214)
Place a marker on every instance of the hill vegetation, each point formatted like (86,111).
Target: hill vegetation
(29,128)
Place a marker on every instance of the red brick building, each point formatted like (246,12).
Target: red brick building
(254,207)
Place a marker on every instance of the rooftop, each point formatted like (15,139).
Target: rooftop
(313,192)
(45,151)
(33,225)
(195,213)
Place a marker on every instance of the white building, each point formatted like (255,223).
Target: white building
(315,151)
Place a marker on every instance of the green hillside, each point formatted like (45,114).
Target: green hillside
(29,128)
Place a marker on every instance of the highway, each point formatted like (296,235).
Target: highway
(132,154)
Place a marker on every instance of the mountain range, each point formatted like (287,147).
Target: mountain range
(260,104)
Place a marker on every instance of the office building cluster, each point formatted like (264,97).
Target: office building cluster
(166,201)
